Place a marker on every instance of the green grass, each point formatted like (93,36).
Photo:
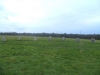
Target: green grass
(43,57)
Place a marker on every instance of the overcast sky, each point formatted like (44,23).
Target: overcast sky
(58,16)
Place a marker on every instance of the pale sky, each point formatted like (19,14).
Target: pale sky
(58,16)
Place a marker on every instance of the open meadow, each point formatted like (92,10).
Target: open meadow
(44,57)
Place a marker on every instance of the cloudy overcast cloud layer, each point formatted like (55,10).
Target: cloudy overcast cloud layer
(58,16)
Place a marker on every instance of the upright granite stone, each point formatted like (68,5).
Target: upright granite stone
(19,38)
(3,38)
(92,40)
(35,39)
(50,38)
(63,38)
(77,39)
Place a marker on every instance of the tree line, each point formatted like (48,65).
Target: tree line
(81,36)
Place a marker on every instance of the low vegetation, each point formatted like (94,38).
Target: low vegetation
(44,57)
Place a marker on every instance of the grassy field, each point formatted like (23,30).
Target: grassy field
(43,57)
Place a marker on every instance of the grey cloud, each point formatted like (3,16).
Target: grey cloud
(60,21)
(1,8)
(11,27)
(4,17)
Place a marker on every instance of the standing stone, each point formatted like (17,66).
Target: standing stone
(19,38)
(77,40)
(92,40)
(63,38)
(50,38)
(3,38)
(35,38)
